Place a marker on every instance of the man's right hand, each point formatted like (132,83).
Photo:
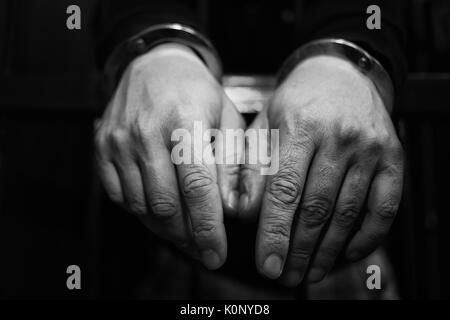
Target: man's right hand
(166,89)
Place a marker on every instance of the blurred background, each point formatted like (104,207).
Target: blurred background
(52,209)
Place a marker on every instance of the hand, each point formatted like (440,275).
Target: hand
(167,89)
(337,148)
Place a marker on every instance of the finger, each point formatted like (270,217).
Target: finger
(165,216)
(132,188)
(128,172)
(111,182)
(348,206)
(201,194)
(229,155)
(383,201)
(280,200)
(252,183)
(322,187)
(106,170)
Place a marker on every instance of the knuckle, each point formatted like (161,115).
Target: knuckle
(115,197)
(376,141)
(276,233)
(348,134)
(118,138)
(99,141)
(300,127)
(374,238)
(329,253)
(395,149)
(299,253)
(374,145)
(138,131)
(284,189)
(163,206)
(315,210)
(100,147)
(302,137)
(114,194)
(371,134)
(387,210)
(395,170)
(137,207)
(142,128)
(197,184)
(182,243)
(346,214)
(204,230)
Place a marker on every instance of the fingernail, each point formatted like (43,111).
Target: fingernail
(292,278)
(243,202)
(233,200)
(315,275)
(211,259)
(272,266)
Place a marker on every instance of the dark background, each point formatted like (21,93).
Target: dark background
(52,211)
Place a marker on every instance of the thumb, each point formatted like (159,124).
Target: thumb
(229,156)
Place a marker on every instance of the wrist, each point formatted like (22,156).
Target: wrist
(326,70)
(331,70)
(351,52)
(330,80)
(153,36)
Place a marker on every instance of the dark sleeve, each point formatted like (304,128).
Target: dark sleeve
(122,19)
(347,19)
